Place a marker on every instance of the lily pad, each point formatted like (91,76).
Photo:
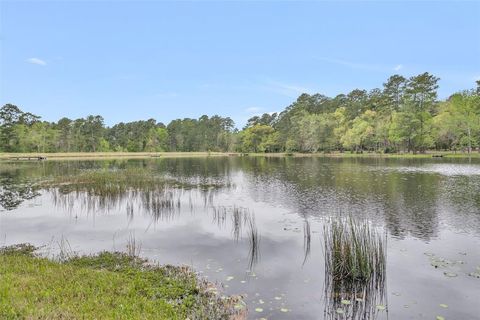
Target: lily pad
(443,305)
(258,309)
(381,307)
(340,311)
(450,274)
(440,318)
(346,302)
(239,306)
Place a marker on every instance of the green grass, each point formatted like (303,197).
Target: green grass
(106,286)
(353,251)
(355,274)
(114,155)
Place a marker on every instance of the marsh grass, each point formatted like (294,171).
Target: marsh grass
(113,182)
(254,243)
(355,274)
(134,247)
(109,285)
(353,251)
(126,189)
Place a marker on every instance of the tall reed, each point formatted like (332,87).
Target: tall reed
(355,269)
(353,250)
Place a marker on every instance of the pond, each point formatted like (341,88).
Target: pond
(255,224)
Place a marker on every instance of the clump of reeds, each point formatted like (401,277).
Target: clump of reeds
(355,269)
(354,251)
(133,246)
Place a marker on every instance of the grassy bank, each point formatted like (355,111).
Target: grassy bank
(140,155)
(106,286)
(107,155)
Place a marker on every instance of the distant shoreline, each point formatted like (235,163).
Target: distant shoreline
(145,155)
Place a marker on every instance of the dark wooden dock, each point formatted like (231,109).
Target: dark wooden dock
(37,158)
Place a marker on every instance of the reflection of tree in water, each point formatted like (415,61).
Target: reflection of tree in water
(375,188)
(13,192)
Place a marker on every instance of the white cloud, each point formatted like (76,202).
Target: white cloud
(398,67)
(272,112)
(350,64)
(38,61)
(359,65)
(253,110)
(289,90)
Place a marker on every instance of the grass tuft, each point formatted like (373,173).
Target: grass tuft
(353,251)
(355,269)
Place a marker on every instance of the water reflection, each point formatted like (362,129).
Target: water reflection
(14,191)
(229,216)
(307,239)
(409,202)
(355,301)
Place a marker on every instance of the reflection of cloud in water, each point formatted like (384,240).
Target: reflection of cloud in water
(283,193)
(445,169)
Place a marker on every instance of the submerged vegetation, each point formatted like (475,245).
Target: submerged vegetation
(113,285)
(355,262)
(130,189)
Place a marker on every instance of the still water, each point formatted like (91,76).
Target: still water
(255,224)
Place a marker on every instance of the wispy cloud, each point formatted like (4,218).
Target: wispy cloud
(351,64)
(253,110)
(360,65)
(37,61)
(286,89)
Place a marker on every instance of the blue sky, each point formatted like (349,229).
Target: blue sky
(132,60)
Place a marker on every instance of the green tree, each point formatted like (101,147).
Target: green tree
(362,133)
(258,138)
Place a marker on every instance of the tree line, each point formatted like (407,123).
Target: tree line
(404,115)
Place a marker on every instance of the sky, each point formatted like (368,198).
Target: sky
(135,60)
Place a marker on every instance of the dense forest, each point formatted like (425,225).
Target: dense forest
(403,116)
